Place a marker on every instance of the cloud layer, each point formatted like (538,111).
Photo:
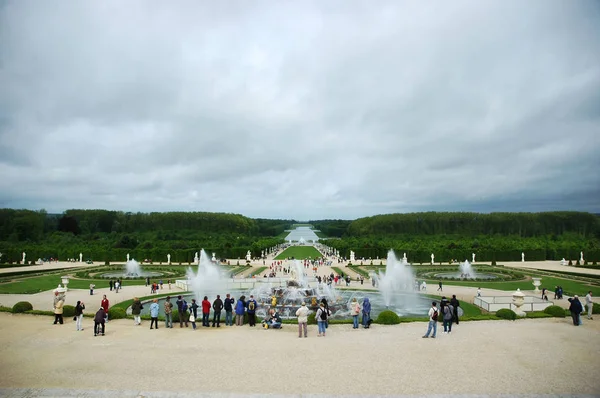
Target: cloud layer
(302,110)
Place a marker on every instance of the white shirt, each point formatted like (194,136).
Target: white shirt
(588,299)
(431,311)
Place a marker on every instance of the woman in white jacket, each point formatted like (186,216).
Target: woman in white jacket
(302,314)
(355,310)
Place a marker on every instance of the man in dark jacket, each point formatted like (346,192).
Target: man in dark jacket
(576,308)
(455,304)
(217,307)
(182,309)
(251,306)
(228,306)
(99,320)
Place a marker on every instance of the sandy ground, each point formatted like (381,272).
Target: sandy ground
(545,356)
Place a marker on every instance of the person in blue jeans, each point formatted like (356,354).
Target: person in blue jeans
(321,318)
(433,317)
(355,310)
(228,307)
(448,317)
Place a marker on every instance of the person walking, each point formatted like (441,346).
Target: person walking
(455,304)
(117,286)
(205,312)
(59,302)
(182,309)
(136,310)
(193,313)
(590,305)
(354,310)
(366,313)
(154,313)
(302,314)
(228,306)
(79,315)
(252,306)
(168,307)
(105,304)
(92,286)
(576,308)
(321,317)
(447,320)
(440,287)
(217,308)
(433,318)
(99,321)
(240,308)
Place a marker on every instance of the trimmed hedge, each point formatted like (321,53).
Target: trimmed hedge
(506,313)
(68,311)
(556,311)
(22,306)
(388,317)
(116,313)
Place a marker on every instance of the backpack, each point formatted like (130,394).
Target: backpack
(251,306)
(184,307)
(323,314)
(435,315)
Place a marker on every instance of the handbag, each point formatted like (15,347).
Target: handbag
(192,318)
(75,318)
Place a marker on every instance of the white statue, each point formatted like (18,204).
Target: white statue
(432,258)
(352,259)
(522,257)
(473,258)
(127,257)
(196,258)
(404,259)
(581,257)
(80,257)
(563,261)
(248,256)
(214,259)
(23,257)
(168,259)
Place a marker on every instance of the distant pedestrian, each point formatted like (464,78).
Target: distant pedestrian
(228,306)
(590,304)
(217,308)
(302,314)
(240,309)
(354,310)
(478,292)
(92,286)
(433,318)
(99,322)
(111,284)
(440,287)
(168,307)
(205,312)
(105,304)
(79,315)
(117,286)
(161,284)
(147,281)
(136,310)
(169,282)
(193,313)
(154,313)
(366,313)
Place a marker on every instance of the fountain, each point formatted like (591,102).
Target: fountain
(132,270)
(209,280)
(466,270)
(397,278)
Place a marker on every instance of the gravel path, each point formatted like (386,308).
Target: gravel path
(545,356)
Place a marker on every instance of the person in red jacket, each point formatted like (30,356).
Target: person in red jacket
(205,312)
(104,304)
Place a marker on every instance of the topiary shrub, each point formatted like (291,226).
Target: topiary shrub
(506,313)
(311,319)
(595,308)
(116,313)
(107,262)
(22,306)
(556,311)
(68,311)
(388,317)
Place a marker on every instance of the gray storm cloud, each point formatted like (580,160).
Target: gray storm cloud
(300,110)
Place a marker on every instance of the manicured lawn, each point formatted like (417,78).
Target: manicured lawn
(48,282)
(299,253)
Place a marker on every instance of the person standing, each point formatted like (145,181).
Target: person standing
(217,308)
(79,315)
(205,312)
(168,306)
(182,309)
(590,304)
(59,302)
(576,309)
(111,284)
(478,292)
(321,317)
(92,286)
(448,315)
(117,286)
(302,314)
(455,304)
(354,310)
(154,313)
(440,287)
(147,281)
(228,306)
(99,321)
(433,318)
(240,308)
(193,313)
(366,313)
(252,311)
(136,310)
(104,304)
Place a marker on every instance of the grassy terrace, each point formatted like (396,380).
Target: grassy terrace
(299,253)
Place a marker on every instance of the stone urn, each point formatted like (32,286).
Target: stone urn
(537,282)
(65,282)
(518,301)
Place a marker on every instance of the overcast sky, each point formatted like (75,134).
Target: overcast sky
(300,109)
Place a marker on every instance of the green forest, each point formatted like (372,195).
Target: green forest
(103,235)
